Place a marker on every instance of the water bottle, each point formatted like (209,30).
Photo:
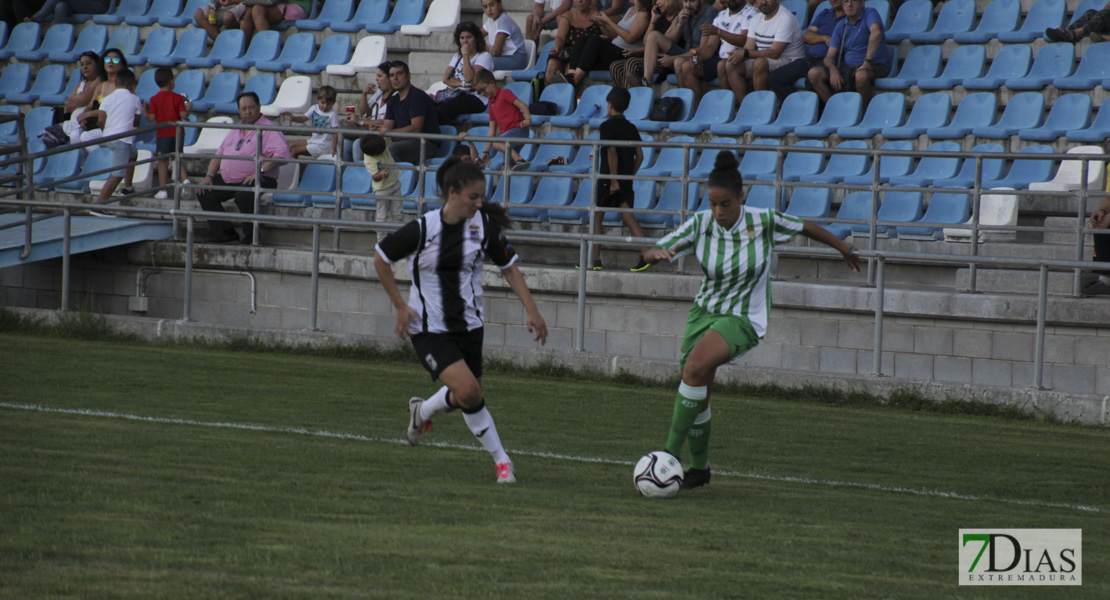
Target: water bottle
(212,14)
(591,111)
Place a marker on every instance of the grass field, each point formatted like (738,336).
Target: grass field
(137,471)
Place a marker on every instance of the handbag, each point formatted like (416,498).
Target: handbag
(54,136)
(446,94)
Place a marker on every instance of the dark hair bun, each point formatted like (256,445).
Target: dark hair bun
(726,159)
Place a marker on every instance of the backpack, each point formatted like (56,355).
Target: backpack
(666,109)
(538,83)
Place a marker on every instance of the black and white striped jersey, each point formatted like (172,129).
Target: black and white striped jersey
(446,267)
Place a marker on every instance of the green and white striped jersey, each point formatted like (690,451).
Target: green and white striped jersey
(736,261)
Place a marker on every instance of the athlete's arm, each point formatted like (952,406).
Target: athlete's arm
(820,234)
(534,320)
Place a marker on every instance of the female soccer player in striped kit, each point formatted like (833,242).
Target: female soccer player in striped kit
(443,315)
(733,244)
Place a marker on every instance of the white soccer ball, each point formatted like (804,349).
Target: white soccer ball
(657,475)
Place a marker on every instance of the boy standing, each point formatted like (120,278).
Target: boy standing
(618,160)
(117,115)
(320,115)
(167,106)
(508,115)
(386,179)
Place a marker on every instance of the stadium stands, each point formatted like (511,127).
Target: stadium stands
(1000,16)
(230,44)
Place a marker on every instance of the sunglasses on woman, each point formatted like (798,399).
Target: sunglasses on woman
(112,60)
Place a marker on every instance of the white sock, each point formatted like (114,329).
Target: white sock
(481,425)
(436,405)
(1104,278)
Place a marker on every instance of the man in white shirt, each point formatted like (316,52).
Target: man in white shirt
(774,40)
(708,62)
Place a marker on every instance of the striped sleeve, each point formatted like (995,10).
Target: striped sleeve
(784,227)
(683,239)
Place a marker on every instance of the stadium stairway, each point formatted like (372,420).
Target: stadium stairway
(86,234)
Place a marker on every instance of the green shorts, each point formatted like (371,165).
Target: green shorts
(737,331)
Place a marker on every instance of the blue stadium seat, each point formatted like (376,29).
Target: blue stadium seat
(562,94)
(159,42)
(1022,111)
(889,166)
(519,194)
(539,68)
(60,98)
(965,62)
(3,33)
(356,180)
(700,169)
(1044,14)
(1011,62)
(592,100)
(369,12)
(555,191)
(644,199)
(1099,129)
(899,206)
(930,110)
(146,87)
(223,89)
(124,8)
(975,110)
(92,38)
(521,89)
(669,161)
(798,164)
(1093,68)
(931,168)
(856,206)
(405,12)
(15,79)
(446,147)
(334,50)
(799,109)
(671,199)
(317,177)
(24,38)
(1069,112)
(264,46)
(1024,171)
(757,108)
(577,211)
(158,9)
(125,38)
(230,44)
(763,196)
(844,109)
(50,80)
(334,11)
(715,108)
(922,62)
(759,162)
(582,159)
(547,152)
(190,83)
(59,166)
(185,17)
(800,10)
(9,132)
(1051,62)
(842,165)
(190,44)
(810,202)
(884,110)
(687,97)
(97,160)
(263,84)
(992,168)
(297,48)
(1085,6)
(639,105)
(998,17)
(57,38)
(956,16)
(915,16)
(944,209)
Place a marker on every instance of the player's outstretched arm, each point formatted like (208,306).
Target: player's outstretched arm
(820,234)
(655,254)
(534,320)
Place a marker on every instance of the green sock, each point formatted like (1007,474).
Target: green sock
(699,440)
(687,405)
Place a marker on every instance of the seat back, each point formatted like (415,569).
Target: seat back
(190,83)
(799,108)
(1095,62)
(265,45)
(370,51)
(24,37)
(562,94)
(1052,61)
(810,202)
(263,84)
(298,48)
(190,44)
(763,196)
(757,162)
(160,42)
(797,164)
(884,110)
(231,43)
(58,38)
(976,109)
(930,110)
(125,38)
(901,206)
(965,62)
(1085,6)
(843,109)
(1044,14)
(707,158)
(1025,109)
(334,50)
(15,78)
(999,16)
(844,165)
(913,17)
(1070,111)
(922,62)
(955,16)
(893,166)
(716,107)
(758,108)
(1011,62)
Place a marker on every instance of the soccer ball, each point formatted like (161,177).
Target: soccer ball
(657,475)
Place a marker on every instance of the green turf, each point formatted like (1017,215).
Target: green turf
(101,506)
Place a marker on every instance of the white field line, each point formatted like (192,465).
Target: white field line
(551,455)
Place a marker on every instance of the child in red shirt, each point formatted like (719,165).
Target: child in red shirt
(507,114)
(167,106)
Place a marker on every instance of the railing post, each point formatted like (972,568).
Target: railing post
(880,289)
(313,301)
(187,304)
(67,222)
(1042,308)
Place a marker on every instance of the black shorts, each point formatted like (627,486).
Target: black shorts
(607,199)
(437,351)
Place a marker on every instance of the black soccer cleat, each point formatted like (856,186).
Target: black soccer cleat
(695,478)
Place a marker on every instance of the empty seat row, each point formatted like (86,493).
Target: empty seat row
(1001,20)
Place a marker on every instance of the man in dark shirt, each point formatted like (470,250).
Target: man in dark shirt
(409,110)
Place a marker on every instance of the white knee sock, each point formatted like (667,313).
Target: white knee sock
(481,425)
(435,405)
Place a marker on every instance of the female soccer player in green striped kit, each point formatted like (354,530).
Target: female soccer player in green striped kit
(733,244)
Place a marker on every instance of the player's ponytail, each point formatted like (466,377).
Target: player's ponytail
(726,172)
(455,174)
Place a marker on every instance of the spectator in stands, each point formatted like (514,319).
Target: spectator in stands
(229,14)
(409,110)
(735,41)
(508,117)
(575,27)
(709,59)
(370,112)
(59,11)
(165,107)
(321,115)
(817,37)
(1092,21)
(112,64)
(116,115)
(261,18)
(857,54)
(471,58)
(236,168)
(14,12)
(384,174)
(617,39)
(1100,219)
(618,160)
(541,19)
(774,40)
(682,37)
(504,39)
(92,73)
(631,67)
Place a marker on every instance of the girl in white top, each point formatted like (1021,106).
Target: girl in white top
(471,58)
(504,37)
